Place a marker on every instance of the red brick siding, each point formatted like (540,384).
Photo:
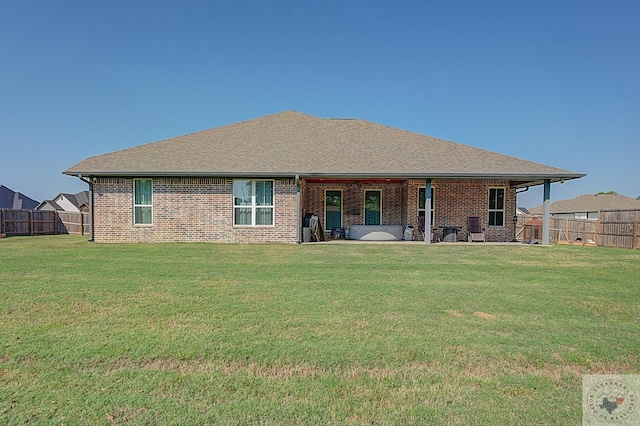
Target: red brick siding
(456,200)
(188,209)
(353,201)
(200,209)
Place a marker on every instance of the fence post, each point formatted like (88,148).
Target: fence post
(30,216)
(634,240)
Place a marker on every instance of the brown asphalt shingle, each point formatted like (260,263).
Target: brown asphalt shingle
(291,143)
(590,203)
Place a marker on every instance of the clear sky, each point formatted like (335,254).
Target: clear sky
(556,82)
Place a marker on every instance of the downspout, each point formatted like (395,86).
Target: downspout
(298,222)
(90,206)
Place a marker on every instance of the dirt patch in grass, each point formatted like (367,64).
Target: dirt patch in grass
(485,315)
(455,314)
(278,371)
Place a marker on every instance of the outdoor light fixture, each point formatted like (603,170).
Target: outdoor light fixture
(515,222)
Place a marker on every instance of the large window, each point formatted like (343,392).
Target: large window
(252,202)
(496,206)
(422,200)
(142,202)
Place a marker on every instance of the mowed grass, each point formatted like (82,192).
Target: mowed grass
(309,334)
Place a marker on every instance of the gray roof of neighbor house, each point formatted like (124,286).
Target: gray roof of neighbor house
(591,203)
(77,200)
(10,199)
(291,143)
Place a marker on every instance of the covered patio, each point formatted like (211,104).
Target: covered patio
(394,208)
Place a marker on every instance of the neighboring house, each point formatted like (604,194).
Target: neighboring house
(522,211)
(257,181)
(67,202)
(587,206)
(10,199)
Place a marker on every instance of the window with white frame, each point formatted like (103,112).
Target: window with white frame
(496,206)
(422,201)
(142,202)
(252,202)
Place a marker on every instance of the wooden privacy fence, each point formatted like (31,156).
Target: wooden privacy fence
(73,223)
(613,228)
(619,228)
(40,222)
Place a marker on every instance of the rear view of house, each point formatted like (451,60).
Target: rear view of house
(257,181)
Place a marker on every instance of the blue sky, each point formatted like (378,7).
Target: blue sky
(556,82)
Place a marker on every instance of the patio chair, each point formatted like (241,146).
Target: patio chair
(476,232)
(317,234)
(434,234)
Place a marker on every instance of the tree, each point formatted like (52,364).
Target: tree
(608,193)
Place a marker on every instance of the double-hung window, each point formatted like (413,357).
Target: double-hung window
(422,201)
(142,202)
(496,206)
(252,202)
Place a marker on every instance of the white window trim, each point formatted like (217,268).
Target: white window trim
(253,205)
(364,204)
(341,205)
(503,209)
(141,205)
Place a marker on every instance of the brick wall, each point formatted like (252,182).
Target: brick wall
(188,209)
(200,209)
(454,202)
(353,201)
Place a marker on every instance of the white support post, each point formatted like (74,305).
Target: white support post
(427,212)
(546,207)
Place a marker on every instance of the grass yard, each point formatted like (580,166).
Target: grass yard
(309,334)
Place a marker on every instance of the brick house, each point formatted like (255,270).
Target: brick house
(255,181)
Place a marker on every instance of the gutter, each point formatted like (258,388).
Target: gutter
(90,205)
(538,178)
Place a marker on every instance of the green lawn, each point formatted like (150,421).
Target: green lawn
(309,334)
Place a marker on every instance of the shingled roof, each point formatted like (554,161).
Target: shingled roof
(591,203)
(10,199)
(291,143)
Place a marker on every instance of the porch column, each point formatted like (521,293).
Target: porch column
(298,212)
(546,207)
(427,212)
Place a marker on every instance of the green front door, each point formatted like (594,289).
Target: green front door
(333,209)
(373,207)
